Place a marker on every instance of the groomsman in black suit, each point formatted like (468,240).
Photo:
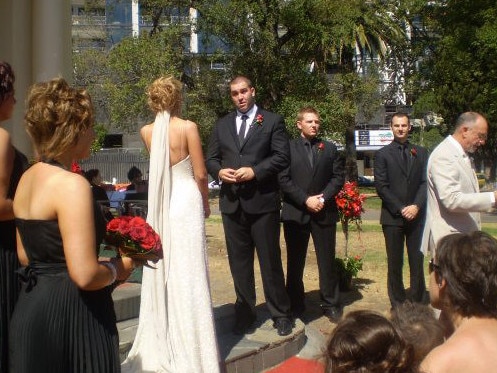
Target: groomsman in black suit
(310,184)
(247,150)
(400,180)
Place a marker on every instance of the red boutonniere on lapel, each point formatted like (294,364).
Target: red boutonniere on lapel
(259,119)
(414,152)
(320,147)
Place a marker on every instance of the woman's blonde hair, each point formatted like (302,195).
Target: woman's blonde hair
(164,94)
(56,116)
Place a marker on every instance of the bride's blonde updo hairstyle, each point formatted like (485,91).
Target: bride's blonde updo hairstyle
(164,94)
(56,116)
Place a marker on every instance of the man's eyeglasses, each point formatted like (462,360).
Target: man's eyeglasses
(433,267)
(481,136)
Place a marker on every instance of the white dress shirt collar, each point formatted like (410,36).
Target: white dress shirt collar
(250,114)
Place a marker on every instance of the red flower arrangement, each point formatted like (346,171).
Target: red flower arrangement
(259,119)
(414,152)
(349,202)
(320,146)
(350,207)
(133,237)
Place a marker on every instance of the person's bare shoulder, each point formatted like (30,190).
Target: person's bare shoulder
(146,129)
(180,125)
(146,134)
(190,125)
(466,353)
(4,138)
(438,360)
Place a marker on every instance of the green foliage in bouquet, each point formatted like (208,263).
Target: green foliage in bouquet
(349,265)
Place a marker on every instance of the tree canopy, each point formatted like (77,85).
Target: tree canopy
(459,71)
(323,53)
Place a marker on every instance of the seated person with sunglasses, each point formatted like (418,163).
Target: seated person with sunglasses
(463,285)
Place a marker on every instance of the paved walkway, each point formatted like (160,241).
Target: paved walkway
(255,352)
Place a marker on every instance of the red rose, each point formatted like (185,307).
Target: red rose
(320,146)
(137,221)
(113,225)
(124,227)
(148,243)
(414,152)
(137,233)
(259,119)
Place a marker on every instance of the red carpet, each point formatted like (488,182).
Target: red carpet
(297,365)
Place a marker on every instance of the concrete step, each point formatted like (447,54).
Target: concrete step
(253,352)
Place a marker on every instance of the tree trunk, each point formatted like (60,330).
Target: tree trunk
(350,152)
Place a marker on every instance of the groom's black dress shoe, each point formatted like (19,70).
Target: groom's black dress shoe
(283,325)
(243,325)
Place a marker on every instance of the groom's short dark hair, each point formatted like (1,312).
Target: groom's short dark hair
(241,78)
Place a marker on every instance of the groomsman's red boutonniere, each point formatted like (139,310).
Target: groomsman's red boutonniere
(414,152)
(259,119)
(320,147)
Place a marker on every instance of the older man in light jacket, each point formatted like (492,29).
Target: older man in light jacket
(454,198)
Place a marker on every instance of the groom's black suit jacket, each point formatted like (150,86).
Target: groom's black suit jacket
(251,209)
(265,149)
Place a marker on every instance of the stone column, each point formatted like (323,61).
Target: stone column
(52,43)
(15,48)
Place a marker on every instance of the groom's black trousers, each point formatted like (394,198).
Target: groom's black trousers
(243,232)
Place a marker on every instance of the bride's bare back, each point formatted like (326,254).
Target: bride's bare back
(178,138)
(184,141)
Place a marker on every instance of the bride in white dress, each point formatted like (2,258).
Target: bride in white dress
(176,327)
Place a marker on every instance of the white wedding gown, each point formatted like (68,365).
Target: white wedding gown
(176,328)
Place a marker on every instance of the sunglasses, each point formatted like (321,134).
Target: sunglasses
(433,267)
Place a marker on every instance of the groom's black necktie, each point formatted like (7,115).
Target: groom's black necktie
(243,126)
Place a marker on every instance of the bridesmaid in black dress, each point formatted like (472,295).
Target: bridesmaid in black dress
(12,165)
(64,320)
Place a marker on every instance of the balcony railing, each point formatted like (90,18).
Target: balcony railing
(88,20)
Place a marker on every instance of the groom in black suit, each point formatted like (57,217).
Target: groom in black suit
(247,150)
(400,180)
(310,184)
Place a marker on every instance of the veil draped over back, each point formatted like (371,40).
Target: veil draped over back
(151,342)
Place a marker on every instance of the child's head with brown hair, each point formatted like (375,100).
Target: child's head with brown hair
(367,342)
(418,325)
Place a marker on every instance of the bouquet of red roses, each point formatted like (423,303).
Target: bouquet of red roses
(134,237)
